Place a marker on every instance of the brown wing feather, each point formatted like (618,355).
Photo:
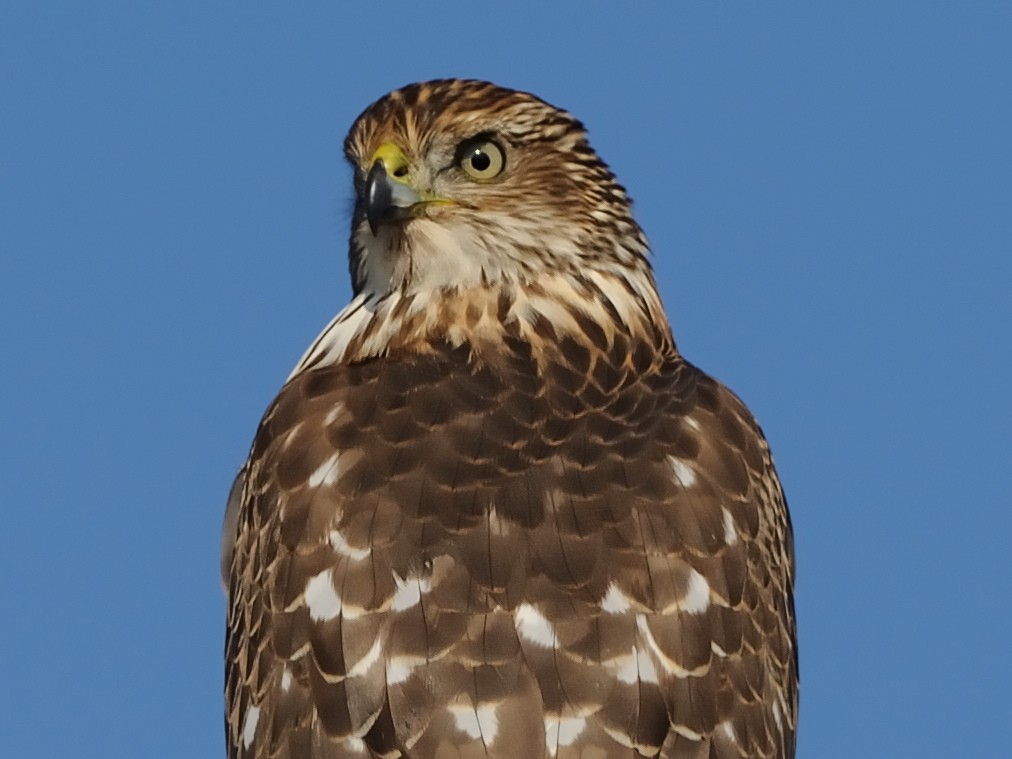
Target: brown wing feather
(448,555)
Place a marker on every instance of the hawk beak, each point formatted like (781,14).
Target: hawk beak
(388,196)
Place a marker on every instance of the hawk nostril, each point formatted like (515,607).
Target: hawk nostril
(401,171)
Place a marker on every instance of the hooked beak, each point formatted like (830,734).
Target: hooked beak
(389,192)
(386,197)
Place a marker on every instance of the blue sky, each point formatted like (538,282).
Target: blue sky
(828,192)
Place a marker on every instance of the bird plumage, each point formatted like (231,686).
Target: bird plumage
(493,512)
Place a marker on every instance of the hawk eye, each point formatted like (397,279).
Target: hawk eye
(483,159)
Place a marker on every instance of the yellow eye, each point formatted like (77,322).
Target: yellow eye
(483,160)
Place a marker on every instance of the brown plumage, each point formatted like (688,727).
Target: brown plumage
(493,512)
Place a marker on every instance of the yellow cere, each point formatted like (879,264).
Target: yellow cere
(394,159)
(398,166)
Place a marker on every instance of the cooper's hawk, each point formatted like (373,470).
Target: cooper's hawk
(493,512)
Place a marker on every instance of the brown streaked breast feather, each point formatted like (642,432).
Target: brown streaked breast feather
(441,556)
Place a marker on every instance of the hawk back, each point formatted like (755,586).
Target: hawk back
(466,552)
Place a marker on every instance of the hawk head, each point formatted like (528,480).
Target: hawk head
(483,213)
(462,183)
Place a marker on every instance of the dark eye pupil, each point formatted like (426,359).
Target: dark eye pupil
(480,161)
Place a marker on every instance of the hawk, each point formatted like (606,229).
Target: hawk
(493,512)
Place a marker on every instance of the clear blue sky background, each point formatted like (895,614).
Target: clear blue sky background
(828,192)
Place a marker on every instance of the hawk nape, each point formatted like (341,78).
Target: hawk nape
(493,512)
